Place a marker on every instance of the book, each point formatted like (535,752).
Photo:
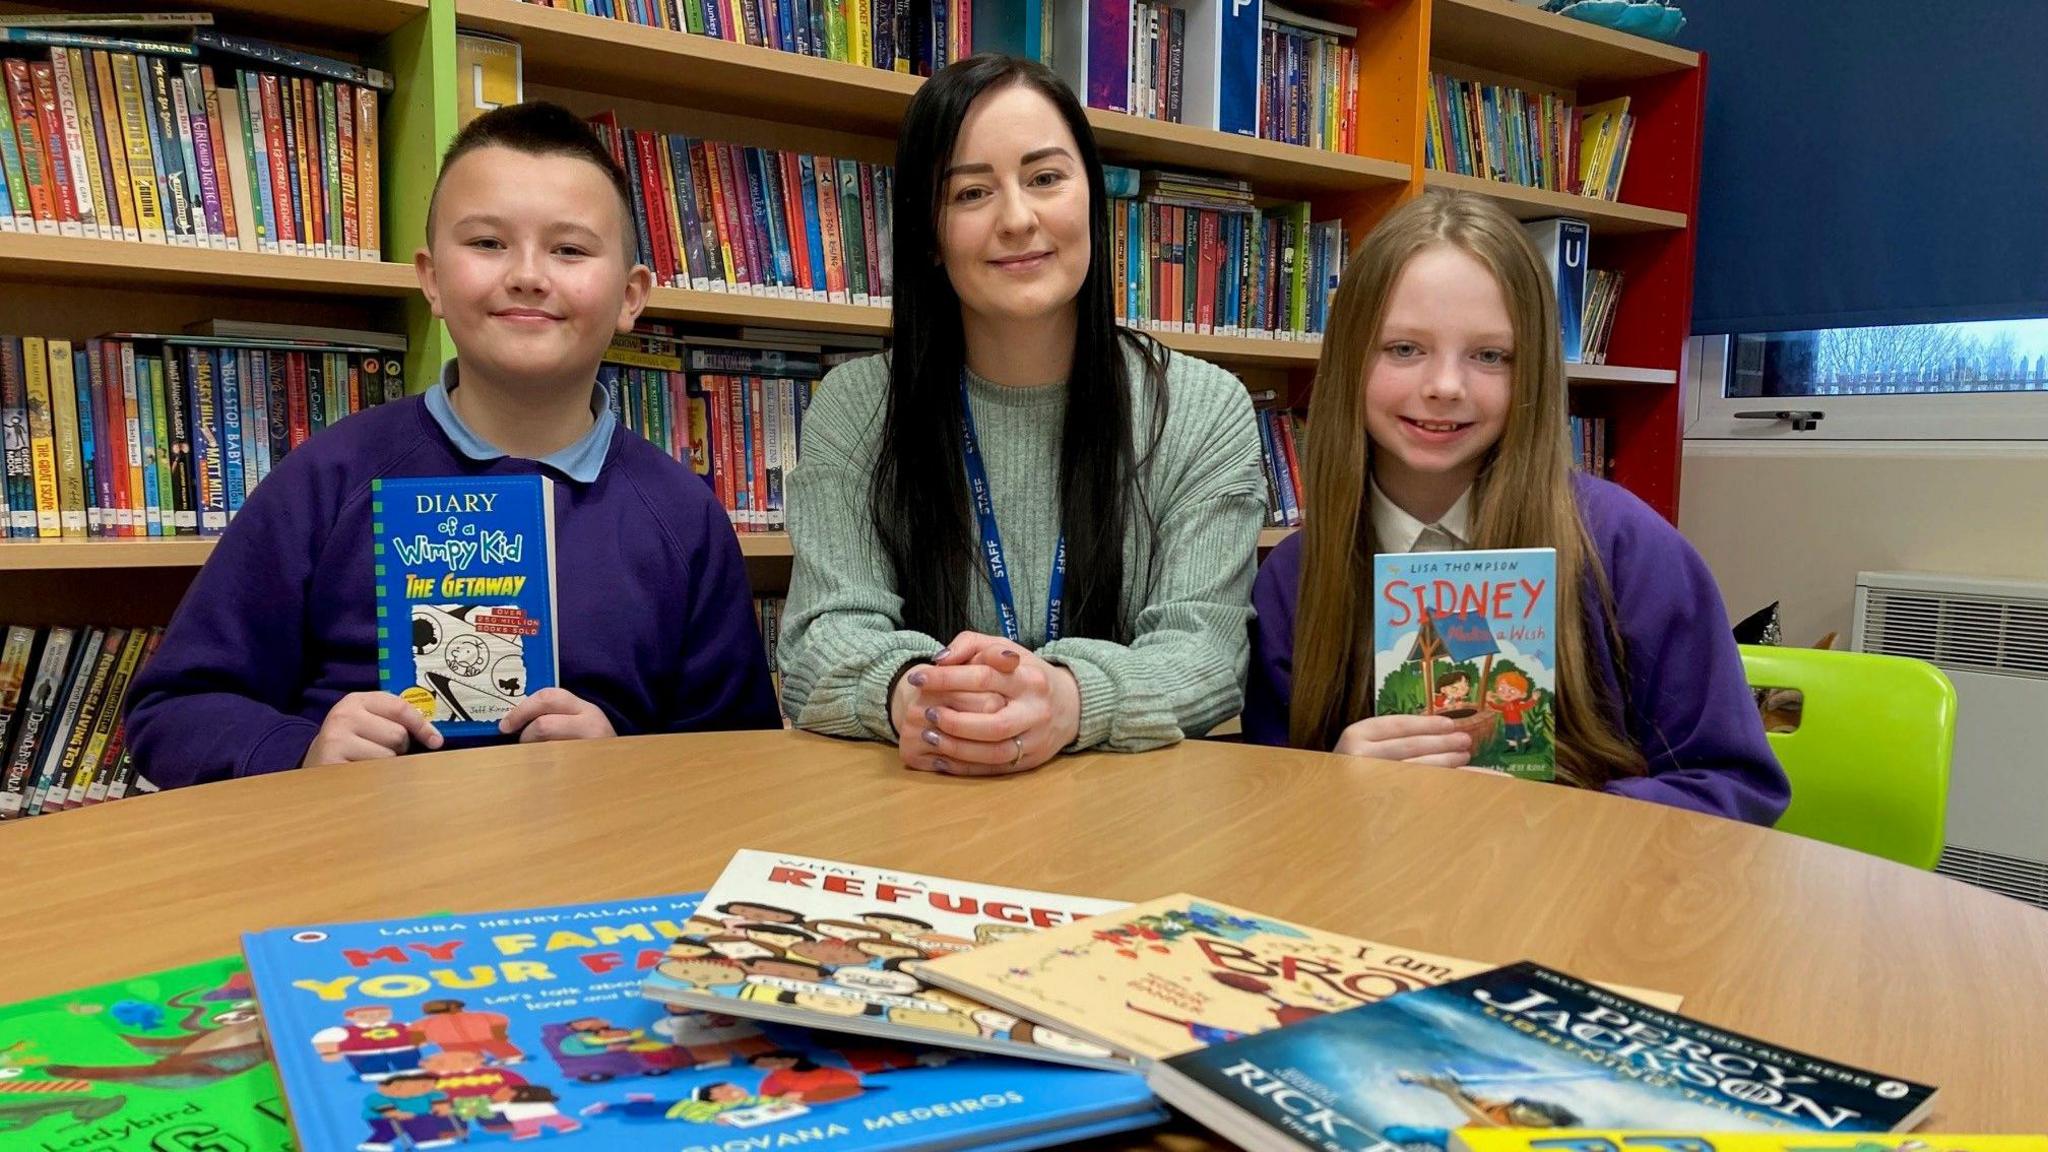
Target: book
(170,1059)
(1617,1140)
(824,944)
(1472,636)
(525,1023)
(1174,975)
(487,74)
(465,570)
(1519,1046)
(1561,247)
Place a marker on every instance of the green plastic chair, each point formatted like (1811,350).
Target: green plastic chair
(1869,762)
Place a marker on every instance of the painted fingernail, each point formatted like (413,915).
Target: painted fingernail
(940,763)
(931,716)
(943,653)
(916,679)
(931,737)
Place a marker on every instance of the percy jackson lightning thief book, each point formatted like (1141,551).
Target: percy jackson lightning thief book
(1472,636)
(465,572)
(842,947)
(1521,1046)
(496,1028)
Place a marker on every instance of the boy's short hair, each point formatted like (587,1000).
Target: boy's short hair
(539,128)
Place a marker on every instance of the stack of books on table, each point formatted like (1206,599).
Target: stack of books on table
(805,1001)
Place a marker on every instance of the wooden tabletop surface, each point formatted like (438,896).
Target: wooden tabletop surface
(1810,947)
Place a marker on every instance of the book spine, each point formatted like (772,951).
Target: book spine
(50,757)
(314,374)
(92,140)
(871,236)
(64,430)
(827,201)
(277,160)
(166,154)
(291,164)
(814,227)
(82,381)
(850,224)
(124,411)
(690,211)
(192,153)
(334,214)
(101,751)
(224,146)
(369,185)
(884,179)
(303,123)
(41,437)
(151,520)
(278,427)
(103,367)
(113,144)
(732,214)
(678,226)
(201,134)
(256,161)
(137,155)
(266,52)
(296,400)
(35,153)
(88,738)
(645,167)
(20,218)
(64,91)
(50,122)
(227,375)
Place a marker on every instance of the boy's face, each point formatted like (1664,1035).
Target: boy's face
(527,264)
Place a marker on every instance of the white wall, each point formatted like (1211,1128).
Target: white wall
(1795,522)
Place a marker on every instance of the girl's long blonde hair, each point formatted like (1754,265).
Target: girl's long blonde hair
(1522,498)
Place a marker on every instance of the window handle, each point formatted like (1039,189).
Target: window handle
(1801,420)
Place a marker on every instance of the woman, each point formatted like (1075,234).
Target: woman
(1009,543)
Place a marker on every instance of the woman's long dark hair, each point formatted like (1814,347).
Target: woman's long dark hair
(919,495)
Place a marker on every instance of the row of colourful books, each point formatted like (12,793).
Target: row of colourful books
(912,36)
(723,217)
(1536,140)
(1603,300)
(62,690)
(836,1004)
(1280,432)
(1589,444)
(146,434)
(1214,267)
(121,138)
(1309,95)
(768,614)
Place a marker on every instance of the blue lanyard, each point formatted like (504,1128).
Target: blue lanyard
(992,539)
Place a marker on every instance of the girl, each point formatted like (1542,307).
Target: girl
(1012,477)
(1438,422)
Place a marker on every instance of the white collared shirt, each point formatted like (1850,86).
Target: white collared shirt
(1397,531)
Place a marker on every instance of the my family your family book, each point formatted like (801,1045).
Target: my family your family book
(1520,1046)
(167,1060)
(1177,974)
(465,574)
(1472,636)
(839,946)
(483,1030)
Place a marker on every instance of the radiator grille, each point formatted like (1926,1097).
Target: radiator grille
(1959,633)
(2023,880)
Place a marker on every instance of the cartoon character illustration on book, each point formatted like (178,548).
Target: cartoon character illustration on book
(455,1028)
(475,1090)
(375,1047)
(1283,1012)
(1453,692)
(533,1109)
(710,1040)
(469,659)
(1513,697)
(794,1076)
(722,1102)
(217,1041)
(409,1105)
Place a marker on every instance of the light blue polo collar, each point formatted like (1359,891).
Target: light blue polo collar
(581,461)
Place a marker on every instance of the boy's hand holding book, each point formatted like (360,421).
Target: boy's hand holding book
(369,726)
(556,714)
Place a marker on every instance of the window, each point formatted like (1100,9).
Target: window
(1984,380)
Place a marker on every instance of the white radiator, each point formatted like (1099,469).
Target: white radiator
(1991,637)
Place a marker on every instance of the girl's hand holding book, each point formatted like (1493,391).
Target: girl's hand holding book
(369,726)
(556,714)
(1416,739)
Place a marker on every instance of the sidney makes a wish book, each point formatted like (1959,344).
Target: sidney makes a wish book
(1472,636)
(508,1026)
(843,947)
(465,571)
(1180,973)
(170,1060)
(1516,1047)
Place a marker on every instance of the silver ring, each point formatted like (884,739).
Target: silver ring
(1019,757)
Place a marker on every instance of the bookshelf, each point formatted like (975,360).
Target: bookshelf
(672,81)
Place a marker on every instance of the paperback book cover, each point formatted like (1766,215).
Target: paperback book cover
(501,1027)
(1561,246)
(1521,1046)
(1180,973)
(842,946)
(168,1060)
(1617,1140)
(1472,636)
(465,570)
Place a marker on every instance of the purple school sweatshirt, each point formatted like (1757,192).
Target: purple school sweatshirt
(1688,706)
(656,623)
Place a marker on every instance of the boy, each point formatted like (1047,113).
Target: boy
(270,662)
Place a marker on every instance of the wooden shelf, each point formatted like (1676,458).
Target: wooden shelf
(630,61)
(1619,374)
(1525,42)
(374,17)
(1271,537)
(126,264)
(1606,217)
(192,551)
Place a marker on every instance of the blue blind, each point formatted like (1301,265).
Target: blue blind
(1871,162)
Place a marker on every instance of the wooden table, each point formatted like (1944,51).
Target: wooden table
(1809,946)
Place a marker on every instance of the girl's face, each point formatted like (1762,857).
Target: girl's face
(1013,216)
(1437,386)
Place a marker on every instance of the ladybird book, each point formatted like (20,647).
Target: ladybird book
(465,572)
(1180,973)
(494,1029)
(843,946)
(1472,637)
